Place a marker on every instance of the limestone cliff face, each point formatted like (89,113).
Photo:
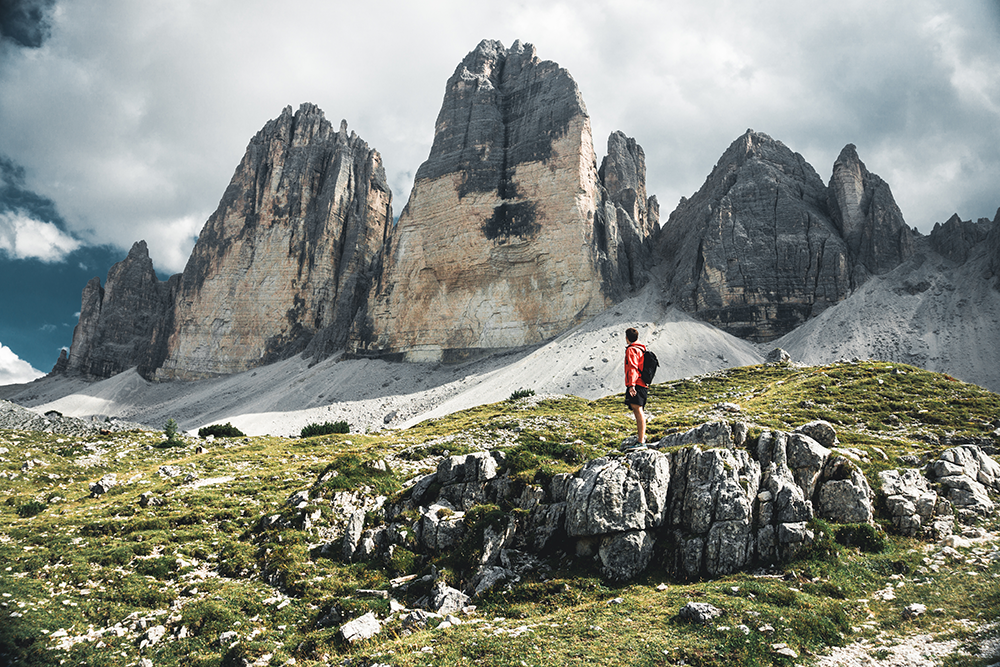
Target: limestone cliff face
(863,210)
(626,218)
(118,321)
(993,248)
(754,251)
(956,238)
(286,259)
(496,247)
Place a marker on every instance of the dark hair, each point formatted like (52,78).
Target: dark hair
(631,335)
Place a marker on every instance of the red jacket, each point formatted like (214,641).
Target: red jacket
(633,365)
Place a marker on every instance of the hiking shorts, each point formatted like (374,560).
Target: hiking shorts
(639,398)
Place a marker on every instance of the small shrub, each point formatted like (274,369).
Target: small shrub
(521,393)
(226,430)
(866,537)
(326,428)
(170,430)
(237,559)
(348,472)
(30,509)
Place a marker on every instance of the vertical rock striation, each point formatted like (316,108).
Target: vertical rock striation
(118,321)
(496,247)
(865,213)
(626,218)
(993,248)
(286,259)
(754,251)
(764,245)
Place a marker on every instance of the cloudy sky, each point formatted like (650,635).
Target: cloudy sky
(124,120)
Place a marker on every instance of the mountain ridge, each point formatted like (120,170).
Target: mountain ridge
(302,255)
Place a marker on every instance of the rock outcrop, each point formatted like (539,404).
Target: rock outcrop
(763,245)
(118,322)
(498,246)
(864,211)
(286,260)
(700,509)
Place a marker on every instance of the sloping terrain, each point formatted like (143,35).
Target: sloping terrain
(928,312)
(122,550)
(281,398)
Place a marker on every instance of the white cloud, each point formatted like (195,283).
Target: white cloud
(23,237)
(14,370)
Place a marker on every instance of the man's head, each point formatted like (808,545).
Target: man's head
(631,335)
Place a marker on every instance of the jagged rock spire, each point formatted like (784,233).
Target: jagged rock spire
(496,247)
(863,210)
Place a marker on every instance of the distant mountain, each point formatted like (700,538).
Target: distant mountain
(764,245)
(940,310)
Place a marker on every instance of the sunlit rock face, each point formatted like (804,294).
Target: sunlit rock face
(286,260)
(497,246)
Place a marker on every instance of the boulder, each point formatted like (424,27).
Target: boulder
(616,494)
(488,577)
(844,495)
(699,612)
(777,356)
(711,434)
(910,499)
(104,484)
(625,555)
(820,431)
(447,600)
(441,527)
(361,628)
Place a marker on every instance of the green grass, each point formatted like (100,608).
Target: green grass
(199,560)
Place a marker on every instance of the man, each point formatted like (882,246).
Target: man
(635,388)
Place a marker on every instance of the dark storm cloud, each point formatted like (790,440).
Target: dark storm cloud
(14,194)
(26,22)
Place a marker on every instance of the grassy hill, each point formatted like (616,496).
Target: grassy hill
(178,555)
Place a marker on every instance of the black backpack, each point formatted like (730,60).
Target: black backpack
(649,365)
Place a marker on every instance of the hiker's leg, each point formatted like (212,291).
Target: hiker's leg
(640,422)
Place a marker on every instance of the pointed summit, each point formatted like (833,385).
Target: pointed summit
(753,251)
(863,209)
(496,247)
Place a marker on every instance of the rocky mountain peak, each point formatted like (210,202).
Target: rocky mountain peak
(753,251)
(866,215)
(286,260)
(496,247)
(956,238)
(117,322)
